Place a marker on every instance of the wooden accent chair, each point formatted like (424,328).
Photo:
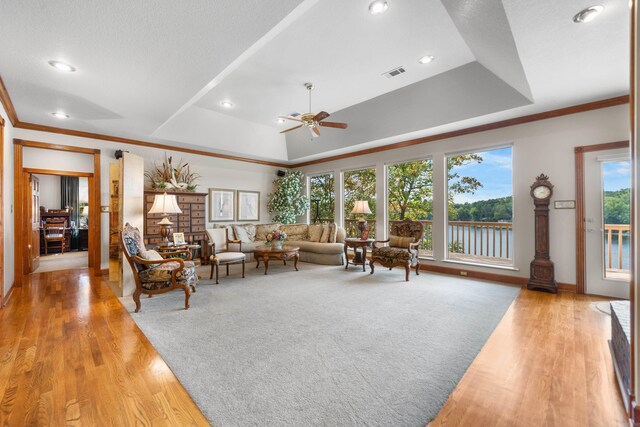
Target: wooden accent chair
(54,233)
(219,244)
(402,247)
(155,274)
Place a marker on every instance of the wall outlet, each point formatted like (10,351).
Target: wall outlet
(463,273)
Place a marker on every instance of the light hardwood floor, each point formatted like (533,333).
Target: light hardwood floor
(546,364)
(71,355)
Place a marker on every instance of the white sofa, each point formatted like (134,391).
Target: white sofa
(314,246)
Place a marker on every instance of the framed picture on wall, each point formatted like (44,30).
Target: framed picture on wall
(221,204)
(248,205)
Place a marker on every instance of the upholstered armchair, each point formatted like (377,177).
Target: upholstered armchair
(401,248)
(154,273)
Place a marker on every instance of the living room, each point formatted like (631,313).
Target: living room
(539,118)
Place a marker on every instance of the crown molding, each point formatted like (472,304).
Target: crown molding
(580,108)
(102,137)
(7,104)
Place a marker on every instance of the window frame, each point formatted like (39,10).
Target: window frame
(308,192)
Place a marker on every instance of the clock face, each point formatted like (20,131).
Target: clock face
(541,192)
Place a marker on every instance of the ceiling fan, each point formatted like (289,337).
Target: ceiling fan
(312,121)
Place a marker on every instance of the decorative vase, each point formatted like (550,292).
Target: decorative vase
(277,244)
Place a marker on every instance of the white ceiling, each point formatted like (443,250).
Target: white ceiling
(158,70)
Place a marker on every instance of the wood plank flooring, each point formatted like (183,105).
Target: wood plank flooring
(546,364)
(71,355)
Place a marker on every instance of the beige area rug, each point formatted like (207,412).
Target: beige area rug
(322,346)
(67,261)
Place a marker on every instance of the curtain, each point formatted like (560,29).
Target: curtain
(69,190)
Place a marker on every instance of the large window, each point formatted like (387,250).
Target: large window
(321,194)
(359,185)
(410,196)
(479,227)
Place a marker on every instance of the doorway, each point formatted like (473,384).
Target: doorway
(607,210)
(59,218)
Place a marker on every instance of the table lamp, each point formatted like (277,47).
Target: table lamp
(165,204)
(361,207)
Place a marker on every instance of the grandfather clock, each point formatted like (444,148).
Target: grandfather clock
(542,272)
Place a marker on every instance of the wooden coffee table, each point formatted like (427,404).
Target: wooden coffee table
(284,253)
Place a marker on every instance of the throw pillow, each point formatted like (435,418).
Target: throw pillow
(341,234)
(400,242)
(263,229)
(333,232)
(325,234)
(246,233)
(150,256)
(296,231)
(315,232)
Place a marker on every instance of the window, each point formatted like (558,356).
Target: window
(479,227)
(410,196)
(616,207)
(321,194)
(359,185)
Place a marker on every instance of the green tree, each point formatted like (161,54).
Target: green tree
(617,206)
(458,184)
(287,200)
(321,189)
(410,190)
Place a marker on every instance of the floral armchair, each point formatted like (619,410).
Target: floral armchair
(401,249)
(155,274)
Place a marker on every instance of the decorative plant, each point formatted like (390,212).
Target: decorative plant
(172,177)
(287,200)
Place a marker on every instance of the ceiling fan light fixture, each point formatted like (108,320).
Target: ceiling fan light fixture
(426,59)
(62,66)
(378,7)
(588,14)
(60,115)
(226,104)
(280,121)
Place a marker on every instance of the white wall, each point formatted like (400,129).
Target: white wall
(7,194)
(50,195)
(543,146)
(216,172)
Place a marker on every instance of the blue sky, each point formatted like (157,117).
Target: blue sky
(616,175)
(495,174)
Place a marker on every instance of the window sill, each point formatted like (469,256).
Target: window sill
(478,264)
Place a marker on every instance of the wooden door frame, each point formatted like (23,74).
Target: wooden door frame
(580,206)
(2,299)
(20,249)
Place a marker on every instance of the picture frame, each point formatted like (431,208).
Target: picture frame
(178,239)
(365,234)
(248,205)
(221,205)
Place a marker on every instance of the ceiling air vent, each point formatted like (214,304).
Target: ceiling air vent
(395,72)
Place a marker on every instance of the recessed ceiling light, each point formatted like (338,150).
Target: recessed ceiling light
(62,66)
(226,104)
(588,14)
(377,7)
(280,121)
(60,115)
(426,59)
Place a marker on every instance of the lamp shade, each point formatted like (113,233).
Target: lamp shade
(85,211)
(165,204)
(361,207)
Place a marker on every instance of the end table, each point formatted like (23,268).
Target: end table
(360,257)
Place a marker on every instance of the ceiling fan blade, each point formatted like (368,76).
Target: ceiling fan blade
(334,125)
(315,132)
(293,128)
(289,118)
(321,116)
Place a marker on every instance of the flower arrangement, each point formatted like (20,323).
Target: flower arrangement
(276,236)
(172,177)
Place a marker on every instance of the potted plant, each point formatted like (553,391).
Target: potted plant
(287,200)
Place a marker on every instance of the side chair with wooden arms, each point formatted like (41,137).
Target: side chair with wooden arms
(54,232)
(155,274)
(401,248)
(220,254)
